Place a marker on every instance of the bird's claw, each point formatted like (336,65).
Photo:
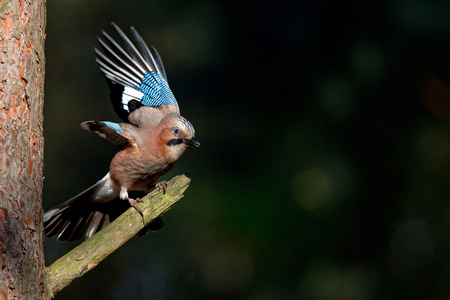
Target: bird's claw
(162,185)
(134,202)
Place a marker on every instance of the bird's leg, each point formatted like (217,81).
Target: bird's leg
(133,202)
(162,185)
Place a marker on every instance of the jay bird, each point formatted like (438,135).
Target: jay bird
(151,141)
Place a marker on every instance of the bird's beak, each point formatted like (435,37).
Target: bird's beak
(192,142)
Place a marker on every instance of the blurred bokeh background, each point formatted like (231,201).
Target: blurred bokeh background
(324,169)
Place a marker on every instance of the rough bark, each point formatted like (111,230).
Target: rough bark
(22,36)
(89,254)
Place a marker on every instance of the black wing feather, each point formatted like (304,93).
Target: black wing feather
(120,60)
(159,62)
(118,50)
(134,53)
(145,51)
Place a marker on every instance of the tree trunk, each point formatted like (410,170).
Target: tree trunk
(22,36)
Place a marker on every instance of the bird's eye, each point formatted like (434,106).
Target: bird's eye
(176,131)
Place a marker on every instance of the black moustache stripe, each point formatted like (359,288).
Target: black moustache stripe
(174,142)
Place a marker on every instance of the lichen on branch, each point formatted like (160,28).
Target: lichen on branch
(90,253)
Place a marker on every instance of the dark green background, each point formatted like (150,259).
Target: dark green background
(324,169)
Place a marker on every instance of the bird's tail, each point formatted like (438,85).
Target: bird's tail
(84,212)
(89,212)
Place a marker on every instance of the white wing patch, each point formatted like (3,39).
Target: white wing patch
(130,94)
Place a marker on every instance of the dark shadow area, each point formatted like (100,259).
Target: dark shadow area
(324,166)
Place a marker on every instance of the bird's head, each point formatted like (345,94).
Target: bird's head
(178,134)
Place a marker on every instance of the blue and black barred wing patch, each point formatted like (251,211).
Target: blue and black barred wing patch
(107,130)
(135,77)
(156,91)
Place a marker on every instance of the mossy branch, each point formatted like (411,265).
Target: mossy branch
(90,253)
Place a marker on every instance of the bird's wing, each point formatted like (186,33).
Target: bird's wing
(87,212)
(108,130)
(135,74)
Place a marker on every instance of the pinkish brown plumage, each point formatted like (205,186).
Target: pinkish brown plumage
(150,143)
